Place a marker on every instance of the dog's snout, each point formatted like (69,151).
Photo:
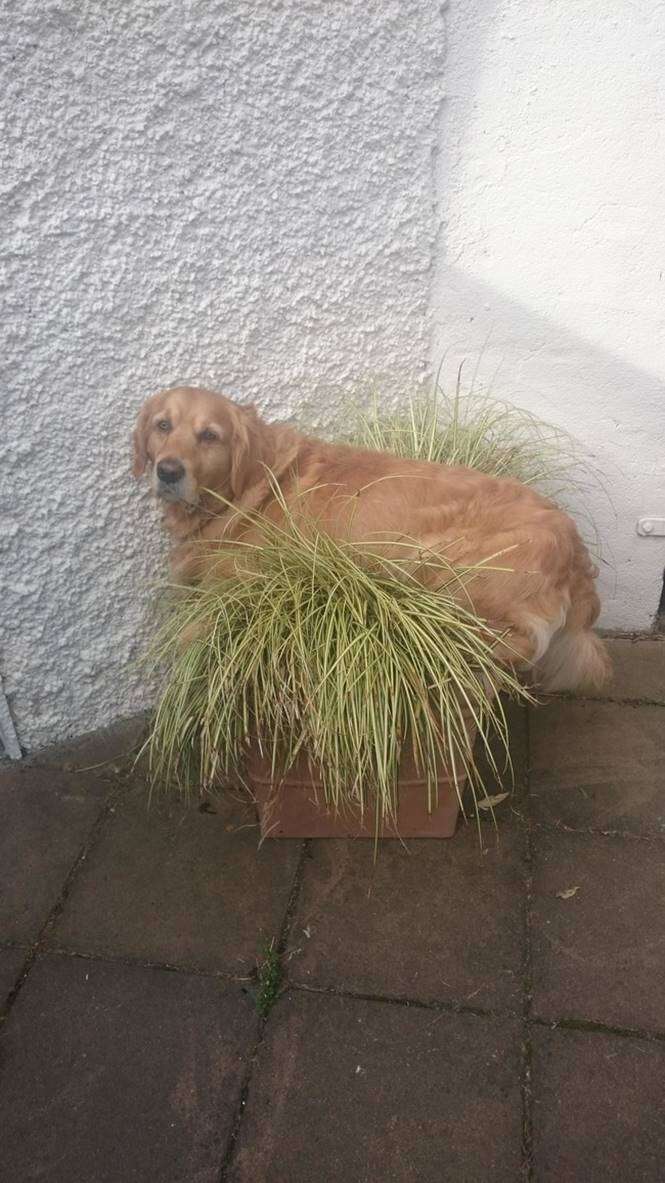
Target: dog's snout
(170,471)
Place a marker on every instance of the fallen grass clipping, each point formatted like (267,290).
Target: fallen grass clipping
(313,645)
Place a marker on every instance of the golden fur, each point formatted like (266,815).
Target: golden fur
(546,600)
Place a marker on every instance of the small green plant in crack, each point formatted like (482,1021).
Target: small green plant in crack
(269,973)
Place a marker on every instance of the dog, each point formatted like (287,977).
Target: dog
(212,462)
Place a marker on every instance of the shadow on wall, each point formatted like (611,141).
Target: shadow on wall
(531,361)
(504,188)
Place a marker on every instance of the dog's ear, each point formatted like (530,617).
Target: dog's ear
(243,427)
(139,440)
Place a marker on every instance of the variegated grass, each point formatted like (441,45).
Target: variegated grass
(475,431)
(314,645)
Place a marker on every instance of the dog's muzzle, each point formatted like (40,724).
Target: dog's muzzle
(170,472)
(171,481)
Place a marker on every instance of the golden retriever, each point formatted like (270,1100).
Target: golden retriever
(198,443)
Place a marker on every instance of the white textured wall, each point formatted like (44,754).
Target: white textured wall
(270,197)
(232,193)
(552,198)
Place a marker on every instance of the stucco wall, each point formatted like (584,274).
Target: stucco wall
(552,246)
(274,199)
(231,193)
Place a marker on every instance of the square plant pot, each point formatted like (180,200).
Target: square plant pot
(294,806)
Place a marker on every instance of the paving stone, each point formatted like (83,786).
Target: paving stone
(429,920)
(639,668)
(123,1073)
(516,719)
(177,885)
(599,954)
(598,1108)
(45,818)
(110,750)
(599,765)
(11,961)
(346,1089)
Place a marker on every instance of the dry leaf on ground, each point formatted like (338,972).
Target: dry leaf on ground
(490,802)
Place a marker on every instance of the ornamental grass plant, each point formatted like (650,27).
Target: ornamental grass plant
(472,430)
(325,647)
(307,644)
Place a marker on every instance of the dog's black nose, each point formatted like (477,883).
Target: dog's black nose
(170,471)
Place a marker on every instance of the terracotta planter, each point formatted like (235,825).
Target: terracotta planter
(290,809)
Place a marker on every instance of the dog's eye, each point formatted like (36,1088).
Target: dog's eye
(163,425)
(208,436)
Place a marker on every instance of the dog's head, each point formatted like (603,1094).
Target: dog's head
(193,440)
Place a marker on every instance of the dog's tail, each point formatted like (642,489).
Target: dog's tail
(574,660)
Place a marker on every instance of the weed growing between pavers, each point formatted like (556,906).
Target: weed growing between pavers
(269,974)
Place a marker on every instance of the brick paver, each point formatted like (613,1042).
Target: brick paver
(598,1107)
(354,1090)
(114,1073)
(46,816)
(639,669)
(400,925)
(11,961)
(600,953)
(178,885)
(445,1013)
(598,765)
(112,751)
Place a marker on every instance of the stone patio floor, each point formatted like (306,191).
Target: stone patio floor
(455,1011)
